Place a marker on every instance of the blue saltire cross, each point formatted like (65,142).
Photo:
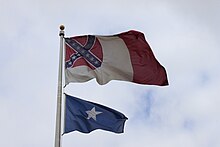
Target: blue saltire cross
(83,51)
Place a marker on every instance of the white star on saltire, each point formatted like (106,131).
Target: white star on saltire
(92,113)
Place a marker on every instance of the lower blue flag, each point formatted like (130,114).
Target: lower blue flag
(85,116)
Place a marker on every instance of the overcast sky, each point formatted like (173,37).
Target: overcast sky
(184,36)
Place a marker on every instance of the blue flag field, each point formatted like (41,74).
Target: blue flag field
(85,116)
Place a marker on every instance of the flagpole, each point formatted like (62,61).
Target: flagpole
(59,91)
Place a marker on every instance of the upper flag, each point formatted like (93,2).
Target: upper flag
(126,56)
(85,117)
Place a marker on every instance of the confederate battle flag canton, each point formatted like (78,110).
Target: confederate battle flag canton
(83,50)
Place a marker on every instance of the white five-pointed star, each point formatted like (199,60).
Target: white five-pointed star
(92,113)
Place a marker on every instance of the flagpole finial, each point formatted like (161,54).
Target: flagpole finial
(62,27)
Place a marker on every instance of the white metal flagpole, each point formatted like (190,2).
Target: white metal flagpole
(59,91)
